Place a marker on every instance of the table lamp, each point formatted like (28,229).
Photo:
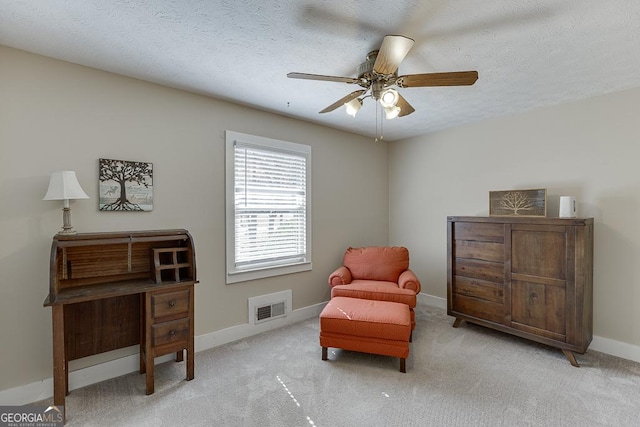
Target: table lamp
(63,185)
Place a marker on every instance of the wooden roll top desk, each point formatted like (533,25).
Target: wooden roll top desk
(118,289)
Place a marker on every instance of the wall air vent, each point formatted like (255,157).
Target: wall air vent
(269,307)
(270,311)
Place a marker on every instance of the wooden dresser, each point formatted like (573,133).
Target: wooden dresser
(114,290)
(530,277)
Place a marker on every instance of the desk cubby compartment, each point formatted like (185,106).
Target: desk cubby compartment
(171,264)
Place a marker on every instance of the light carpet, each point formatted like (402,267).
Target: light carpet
(469,376)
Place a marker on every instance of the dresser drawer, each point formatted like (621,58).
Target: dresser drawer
(480,289)
(170,303)
(170,332)
(487,251)
(485,310)
(478,269)
(478,231)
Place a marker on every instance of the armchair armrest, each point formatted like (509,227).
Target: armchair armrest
(408,280)
(342,276)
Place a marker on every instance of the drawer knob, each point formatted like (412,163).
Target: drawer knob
(172,333)
(172,303)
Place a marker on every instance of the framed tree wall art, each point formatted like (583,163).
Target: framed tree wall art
(125,185)
(518,202)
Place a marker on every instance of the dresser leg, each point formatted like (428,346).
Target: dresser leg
(457,322)
(571,357)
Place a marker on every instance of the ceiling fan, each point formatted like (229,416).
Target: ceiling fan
(378,75)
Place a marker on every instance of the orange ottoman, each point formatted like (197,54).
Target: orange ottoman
(367,326)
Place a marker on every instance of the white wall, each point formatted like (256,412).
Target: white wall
(589,149)
(55,115)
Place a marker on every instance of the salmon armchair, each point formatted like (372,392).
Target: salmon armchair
(378,273)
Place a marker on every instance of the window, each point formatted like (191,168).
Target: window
(268,221)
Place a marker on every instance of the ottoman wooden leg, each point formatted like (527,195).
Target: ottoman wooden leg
(403,366)
(324,353)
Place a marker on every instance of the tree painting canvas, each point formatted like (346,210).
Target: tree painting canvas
(125,185)
(518,202)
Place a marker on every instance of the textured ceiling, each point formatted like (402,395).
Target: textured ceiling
(527,53)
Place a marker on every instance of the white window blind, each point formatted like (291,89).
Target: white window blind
(270,205)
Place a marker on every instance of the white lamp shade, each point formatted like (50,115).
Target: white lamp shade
(63,185)
(389,98)
(392,112)
(353,106)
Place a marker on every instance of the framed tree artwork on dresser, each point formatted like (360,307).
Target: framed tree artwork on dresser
(518,202)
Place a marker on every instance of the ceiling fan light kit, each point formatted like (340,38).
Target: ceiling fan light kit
(378,75)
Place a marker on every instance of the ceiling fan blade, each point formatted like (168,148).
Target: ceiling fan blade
(391,54)
(343,100)
(321,77)
(455,78)
(405,107)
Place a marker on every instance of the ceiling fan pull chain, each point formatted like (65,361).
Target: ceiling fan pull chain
(381,125)
(378,114)
(380,119)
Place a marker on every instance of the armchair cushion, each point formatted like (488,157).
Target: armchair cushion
(384,263)
(375,290)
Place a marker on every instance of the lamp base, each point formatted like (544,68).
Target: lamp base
(67,228)
(67,232)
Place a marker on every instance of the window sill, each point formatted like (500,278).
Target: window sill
(243,276)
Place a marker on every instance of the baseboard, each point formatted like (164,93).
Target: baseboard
(41,390)
(432,300)
(234,333)
(615,348)
(601,344)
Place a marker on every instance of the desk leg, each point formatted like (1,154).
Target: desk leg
(60,377)
(190,364)
(149,355)
(143,334)
(66,374)
(190,344)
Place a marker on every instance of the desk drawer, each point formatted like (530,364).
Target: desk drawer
(170,332)
(170,303)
